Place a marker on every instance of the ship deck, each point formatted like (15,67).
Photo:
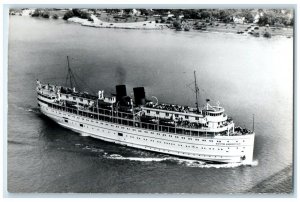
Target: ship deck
(127,119)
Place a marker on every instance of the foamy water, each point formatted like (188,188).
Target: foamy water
(182,161)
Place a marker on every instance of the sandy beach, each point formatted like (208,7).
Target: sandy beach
(149,25)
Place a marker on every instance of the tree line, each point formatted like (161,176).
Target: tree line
(265,16)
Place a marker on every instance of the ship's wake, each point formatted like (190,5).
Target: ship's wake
(84,134)
(181,161)
(29,109)
(192,163)
(143,157)
(90,148)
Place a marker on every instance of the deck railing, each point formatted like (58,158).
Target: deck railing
(127,119)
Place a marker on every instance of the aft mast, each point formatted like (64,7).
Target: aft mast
(196,92)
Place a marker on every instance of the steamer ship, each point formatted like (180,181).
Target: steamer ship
(204,133)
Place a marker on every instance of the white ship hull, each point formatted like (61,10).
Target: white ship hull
(225,149)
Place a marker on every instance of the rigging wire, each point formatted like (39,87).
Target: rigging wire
(72,76)
(191,86)
(87,86)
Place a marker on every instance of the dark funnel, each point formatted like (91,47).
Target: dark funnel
(121,92)
(139,95)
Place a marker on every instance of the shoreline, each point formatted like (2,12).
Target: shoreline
(215,27)
(145,25)
(223,28)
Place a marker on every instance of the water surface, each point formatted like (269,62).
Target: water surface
(247,75)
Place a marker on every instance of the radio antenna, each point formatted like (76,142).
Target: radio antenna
(253,123)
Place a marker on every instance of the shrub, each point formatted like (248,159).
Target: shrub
(76,12)
(177,25)
(45,14)
(55,16)
(267,35)
(36,13)
(256,34)
(84,15)
(68,14)
(186,28)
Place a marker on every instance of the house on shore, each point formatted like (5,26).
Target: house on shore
(238,20)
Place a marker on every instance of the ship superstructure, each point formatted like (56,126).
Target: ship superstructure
(200,133)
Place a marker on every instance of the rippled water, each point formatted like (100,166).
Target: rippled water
(247,75)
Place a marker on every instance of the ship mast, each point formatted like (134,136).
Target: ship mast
(196,92)
(70,75)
